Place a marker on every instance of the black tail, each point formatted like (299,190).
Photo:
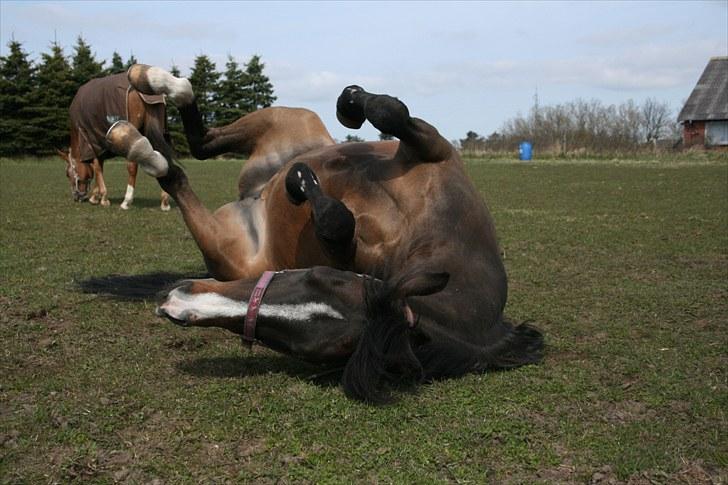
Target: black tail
(383,357)
(447,357)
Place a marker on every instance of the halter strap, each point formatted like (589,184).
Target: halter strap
(256,298)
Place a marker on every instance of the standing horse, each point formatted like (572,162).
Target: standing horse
(381,256)
(97,105)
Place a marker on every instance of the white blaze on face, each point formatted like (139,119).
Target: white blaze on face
(203,306)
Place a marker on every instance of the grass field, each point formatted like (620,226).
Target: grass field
(623,265)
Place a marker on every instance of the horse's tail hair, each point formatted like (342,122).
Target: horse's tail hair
(516,346)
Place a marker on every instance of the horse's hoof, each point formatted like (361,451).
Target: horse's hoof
(348,112)
(165,208)
(93,201)
(105,203)
(124,139)
(124,206)
(299,179)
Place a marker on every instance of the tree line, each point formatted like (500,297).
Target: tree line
(35,96)
(583,127)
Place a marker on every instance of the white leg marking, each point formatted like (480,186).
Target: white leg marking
(128,197)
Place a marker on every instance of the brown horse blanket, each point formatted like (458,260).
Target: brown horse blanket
(98,104)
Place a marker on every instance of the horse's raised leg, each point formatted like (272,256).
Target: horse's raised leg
(269,137)
(126,140)
(333,221)
(131,168)
(223,239)
(420,141)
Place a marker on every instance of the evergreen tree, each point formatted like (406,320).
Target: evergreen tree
(84,64)
(174,123)
(17,82)
(231,99)
(52,100)
(204,80)
(132,60)
(117,64)
(260,89)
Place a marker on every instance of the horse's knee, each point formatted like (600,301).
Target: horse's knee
(333,222)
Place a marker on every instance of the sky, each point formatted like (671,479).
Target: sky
(462,66)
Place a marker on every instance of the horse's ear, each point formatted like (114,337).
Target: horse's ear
(62,153)
(421,284)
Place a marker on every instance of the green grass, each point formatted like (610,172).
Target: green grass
(623,265)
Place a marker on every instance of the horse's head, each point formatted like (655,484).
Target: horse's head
(79,175)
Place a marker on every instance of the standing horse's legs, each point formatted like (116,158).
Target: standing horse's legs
(164,202)
(100,189)
(131,168)
(420,141)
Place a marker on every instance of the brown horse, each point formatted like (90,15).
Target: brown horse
(402,213)
(98,104)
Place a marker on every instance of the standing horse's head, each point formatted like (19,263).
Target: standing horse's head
(79,175)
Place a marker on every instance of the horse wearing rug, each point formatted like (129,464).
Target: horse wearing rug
(96,106)
(378,256)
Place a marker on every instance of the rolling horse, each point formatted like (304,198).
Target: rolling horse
(96,106)
(380,257)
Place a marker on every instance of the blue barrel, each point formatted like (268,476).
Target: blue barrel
(525,150)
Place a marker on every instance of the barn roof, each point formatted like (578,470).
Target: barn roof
(709,99)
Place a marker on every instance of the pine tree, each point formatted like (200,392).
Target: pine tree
(130,62)
(204,80)
(174,123)
(17,82)
(84,64)
(52,99)
(260,89)
(231,99)
(117,64)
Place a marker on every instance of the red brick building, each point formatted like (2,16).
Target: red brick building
(705,115)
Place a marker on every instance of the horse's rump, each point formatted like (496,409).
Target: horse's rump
(98,104)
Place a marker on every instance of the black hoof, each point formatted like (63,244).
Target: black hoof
(334,223)
(348,111)
(300,181)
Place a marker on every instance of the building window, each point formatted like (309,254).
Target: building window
(716,133)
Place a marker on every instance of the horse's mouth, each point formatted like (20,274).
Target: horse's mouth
(177,321)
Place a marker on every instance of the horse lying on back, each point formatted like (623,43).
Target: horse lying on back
(379,256)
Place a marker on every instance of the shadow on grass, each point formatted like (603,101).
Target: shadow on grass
(133,287)
(257,365)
